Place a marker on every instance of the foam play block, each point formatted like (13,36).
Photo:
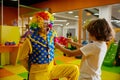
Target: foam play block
(110,55)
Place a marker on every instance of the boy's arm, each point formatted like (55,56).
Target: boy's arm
(74,43)
(67,51)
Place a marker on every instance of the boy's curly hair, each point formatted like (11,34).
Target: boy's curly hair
(100,29)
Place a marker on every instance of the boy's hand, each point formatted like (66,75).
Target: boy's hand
(69,40)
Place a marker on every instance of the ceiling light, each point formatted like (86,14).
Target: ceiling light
(30,18)
(53,13)
(113,20)
(76,16)
(96,14)
(70,12)
(116,21)
(67,24)
(14,0)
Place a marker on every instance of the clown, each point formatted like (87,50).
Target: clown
(40,46)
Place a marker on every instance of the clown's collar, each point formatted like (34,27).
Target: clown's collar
(43,35)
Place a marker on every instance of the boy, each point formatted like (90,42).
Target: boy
(93,53)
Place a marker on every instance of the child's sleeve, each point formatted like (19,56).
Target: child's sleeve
(89,49)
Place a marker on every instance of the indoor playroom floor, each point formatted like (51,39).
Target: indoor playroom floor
(18,72)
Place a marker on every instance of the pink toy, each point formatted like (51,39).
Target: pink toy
(56,39)
(62,40)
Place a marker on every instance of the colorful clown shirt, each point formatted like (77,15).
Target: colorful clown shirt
(42,50)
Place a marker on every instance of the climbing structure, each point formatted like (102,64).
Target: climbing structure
(110,55)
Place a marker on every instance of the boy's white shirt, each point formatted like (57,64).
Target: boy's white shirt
(93,56)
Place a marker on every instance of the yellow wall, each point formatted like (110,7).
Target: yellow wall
(10,33)
(0,33)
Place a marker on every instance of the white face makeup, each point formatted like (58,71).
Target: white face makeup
(46,27)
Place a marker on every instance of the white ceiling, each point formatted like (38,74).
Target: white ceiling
(86,15)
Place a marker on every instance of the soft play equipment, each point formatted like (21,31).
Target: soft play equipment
(1,66)
(84,42)
(110,55)
(117,58)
